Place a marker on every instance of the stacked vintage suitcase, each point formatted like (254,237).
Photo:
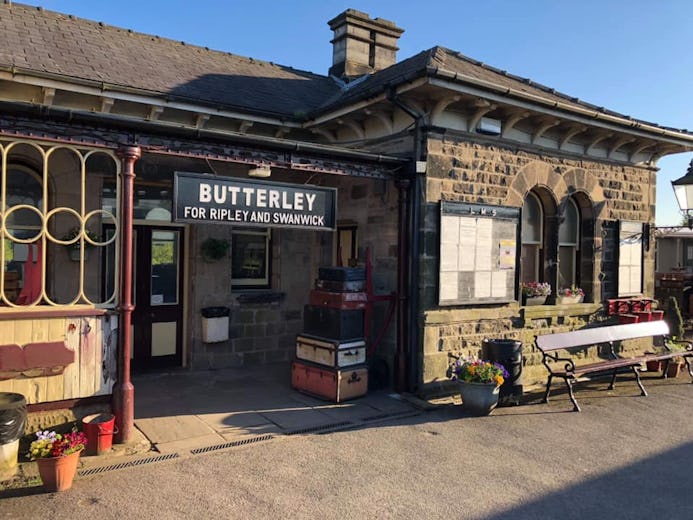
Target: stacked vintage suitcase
(331,351)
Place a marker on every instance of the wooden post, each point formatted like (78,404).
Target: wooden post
(123,390)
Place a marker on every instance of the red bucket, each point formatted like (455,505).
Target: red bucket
(99,429)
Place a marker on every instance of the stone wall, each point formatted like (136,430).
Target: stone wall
(484,172)
(264,332)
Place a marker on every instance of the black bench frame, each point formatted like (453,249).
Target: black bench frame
(564,367)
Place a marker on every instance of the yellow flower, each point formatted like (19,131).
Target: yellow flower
(499,380)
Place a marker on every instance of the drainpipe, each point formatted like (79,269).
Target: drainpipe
(123,391)
(400,364)
(408,348)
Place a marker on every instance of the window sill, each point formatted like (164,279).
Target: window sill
(261,297)
(551,311)
(47,311)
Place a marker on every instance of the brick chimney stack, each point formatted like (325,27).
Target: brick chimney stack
(362,45)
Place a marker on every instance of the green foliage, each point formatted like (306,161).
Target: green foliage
(9,250)
(215,248)
(162,253)
(75,232)
(672,315)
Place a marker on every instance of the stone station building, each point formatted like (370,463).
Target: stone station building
(462,181)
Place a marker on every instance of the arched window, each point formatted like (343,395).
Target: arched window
(569,246)
(23,206)
(532,239)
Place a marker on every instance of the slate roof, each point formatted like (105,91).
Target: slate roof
(48,42)
(454,66)
(74,48)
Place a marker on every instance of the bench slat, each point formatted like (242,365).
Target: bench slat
(600,366)
(599,335)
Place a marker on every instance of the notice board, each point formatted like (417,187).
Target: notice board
(478,253)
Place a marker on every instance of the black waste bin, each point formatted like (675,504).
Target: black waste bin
(12,424)
(506,352)
(215,312)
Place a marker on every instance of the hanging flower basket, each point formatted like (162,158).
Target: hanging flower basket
(214,249)
(74,248)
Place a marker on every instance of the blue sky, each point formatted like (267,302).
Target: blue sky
(631,56)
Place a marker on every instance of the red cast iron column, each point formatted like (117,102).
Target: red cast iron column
(123,391)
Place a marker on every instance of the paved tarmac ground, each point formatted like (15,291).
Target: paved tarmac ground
(623,457)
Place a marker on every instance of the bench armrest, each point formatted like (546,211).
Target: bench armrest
(569,365)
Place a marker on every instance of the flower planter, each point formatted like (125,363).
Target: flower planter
(479,398)
(569,300)
(533,300)
(57,473)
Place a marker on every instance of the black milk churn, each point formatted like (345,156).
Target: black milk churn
(506,352)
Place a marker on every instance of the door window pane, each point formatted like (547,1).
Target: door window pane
(164,267)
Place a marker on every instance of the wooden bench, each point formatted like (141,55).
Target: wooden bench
(550,346)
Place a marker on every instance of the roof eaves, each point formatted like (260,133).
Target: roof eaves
(579,107)
(104,87)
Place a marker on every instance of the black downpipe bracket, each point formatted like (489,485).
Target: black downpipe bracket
(408,356)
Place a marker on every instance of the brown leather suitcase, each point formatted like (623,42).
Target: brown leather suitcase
(331,353)
(339,300)
(332,384)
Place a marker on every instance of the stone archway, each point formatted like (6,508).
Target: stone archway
(542,174)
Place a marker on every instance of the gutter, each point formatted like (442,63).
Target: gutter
(158,127)
(623,121)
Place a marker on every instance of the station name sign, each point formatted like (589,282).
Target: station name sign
(226,200)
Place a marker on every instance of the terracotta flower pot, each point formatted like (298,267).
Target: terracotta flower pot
(479,398)
(57,473)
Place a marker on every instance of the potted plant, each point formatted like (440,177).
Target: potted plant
(535,293)
(570,295)
(57,457)
(214,249)
(479,382)
(73,249)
